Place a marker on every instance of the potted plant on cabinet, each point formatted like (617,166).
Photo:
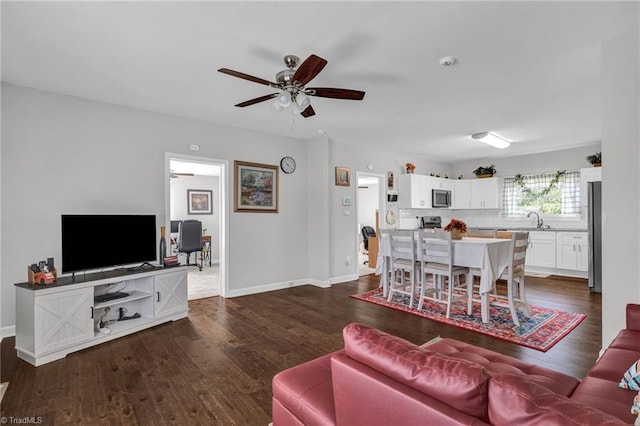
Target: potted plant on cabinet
(485,172)
(595,159)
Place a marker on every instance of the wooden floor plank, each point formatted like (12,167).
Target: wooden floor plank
(216,366)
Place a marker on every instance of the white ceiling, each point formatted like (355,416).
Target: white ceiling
(529,71)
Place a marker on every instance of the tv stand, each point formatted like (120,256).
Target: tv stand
(57,319)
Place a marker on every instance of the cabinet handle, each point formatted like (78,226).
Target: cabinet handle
(157,296)
(92,312)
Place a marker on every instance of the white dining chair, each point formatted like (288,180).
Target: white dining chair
(404,266)
(514,275)
(435,250)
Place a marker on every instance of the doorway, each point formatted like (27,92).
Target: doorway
(190,179)
(369,201)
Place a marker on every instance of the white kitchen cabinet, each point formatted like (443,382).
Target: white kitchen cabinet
(476,193)
(462,194)
(572,251)
(414,191)
(541,251)
(485,193)
(441,183)
(591,174)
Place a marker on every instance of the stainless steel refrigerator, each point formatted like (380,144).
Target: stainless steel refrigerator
(594,224)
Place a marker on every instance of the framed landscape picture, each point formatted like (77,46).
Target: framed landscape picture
(342,176)
(256,187)
(199,201)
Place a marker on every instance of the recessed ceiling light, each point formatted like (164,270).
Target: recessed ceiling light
(322,131)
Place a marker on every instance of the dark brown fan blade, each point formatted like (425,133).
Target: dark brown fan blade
(246,76)
(330,92)
(308,112)
(256,100)
(309,69)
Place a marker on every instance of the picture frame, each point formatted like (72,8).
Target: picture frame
(255,187)
(343,177)
(389,180)
(199,201)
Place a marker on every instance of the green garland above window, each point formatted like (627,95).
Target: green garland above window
(536,195)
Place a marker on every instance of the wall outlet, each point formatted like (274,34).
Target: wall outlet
(194,147)
(348,261)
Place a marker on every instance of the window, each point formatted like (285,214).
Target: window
(536,192)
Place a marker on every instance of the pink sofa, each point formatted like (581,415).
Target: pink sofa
(380,379)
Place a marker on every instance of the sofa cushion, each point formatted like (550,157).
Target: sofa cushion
(516,400)
(606,396)
(613,363)
(496,363)
(457,382)
(306,391)
(627,339)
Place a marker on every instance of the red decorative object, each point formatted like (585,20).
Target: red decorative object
(457,225)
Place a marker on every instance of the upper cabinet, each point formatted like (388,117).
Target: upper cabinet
(477,193)
(462,194)
(414,191)
(590,174)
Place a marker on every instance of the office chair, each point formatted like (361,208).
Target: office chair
(367,231)
(190,239)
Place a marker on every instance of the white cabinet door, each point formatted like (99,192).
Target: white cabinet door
(62,319)
(414,191)
(542,249)
(573,251)
(171,293)
(462,194)
(485,193)
(591,174)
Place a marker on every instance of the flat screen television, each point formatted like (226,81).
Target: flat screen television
(102,241)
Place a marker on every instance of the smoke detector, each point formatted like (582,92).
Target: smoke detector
(447,61)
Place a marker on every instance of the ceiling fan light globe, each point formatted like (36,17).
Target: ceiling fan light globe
(277,105)
(284,99)
(302,100)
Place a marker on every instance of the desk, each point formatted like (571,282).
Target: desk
(490,255)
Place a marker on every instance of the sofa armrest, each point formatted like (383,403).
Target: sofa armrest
(633,316)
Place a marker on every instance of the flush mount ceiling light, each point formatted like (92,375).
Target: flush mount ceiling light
(492,139)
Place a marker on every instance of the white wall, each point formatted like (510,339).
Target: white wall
(79,156)
(180,211)
(567,159)
(620,180)
(344,228)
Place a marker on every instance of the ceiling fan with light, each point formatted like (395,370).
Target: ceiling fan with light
(291,86)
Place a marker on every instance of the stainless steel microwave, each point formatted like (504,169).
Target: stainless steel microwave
(440,198)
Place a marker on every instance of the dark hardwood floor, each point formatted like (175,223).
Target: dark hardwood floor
(216,366)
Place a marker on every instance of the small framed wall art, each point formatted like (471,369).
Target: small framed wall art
(343,176)
(256,187)
(199,201)
(389,180)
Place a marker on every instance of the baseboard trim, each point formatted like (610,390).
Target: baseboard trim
(293,283)
(344,279)
(9,331)
(267,287)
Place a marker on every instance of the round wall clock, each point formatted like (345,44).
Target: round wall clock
(288,164)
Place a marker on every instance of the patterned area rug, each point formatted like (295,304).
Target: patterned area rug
(541,331)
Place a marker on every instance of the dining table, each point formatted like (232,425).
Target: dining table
(489,255)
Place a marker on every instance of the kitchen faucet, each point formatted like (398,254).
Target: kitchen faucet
(539,221)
